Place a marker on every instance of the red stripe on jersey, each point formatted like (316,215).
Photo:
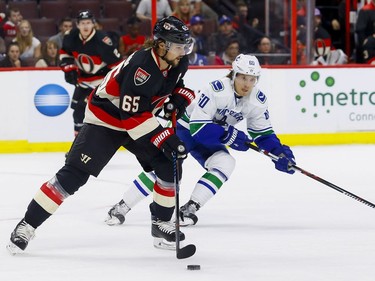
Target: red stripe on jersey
(52,193)
(134,122)
(102,115)
(127,124)
(163,191)
(112,87)
(96,59)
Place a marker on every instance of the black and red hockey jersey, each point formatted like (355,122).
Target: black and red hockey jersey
(133,92)
(94,56)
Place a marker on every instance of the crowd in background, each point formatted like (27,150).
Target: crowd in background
(222,29)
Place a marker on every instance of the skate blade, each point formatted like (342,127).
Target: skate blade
(13,249)
(161,243)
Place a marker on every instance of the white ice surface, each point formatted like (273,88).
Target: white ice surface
(262,225)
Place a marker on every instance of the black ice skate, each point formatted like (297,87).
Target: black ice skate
(187,213)
(116,215)
(164,233)
(20,237)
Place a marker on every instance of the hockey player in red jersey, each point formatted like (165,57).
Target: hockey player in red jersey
(87,55)
(121,112)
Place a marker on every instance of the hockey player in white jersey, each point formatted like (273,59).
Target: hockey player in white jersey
(207,128)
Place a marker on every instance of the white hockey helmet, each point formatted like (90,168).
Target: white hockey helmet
(246,64)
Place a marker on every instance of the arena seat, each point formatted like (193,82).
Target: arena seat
(117,9)
(93,5)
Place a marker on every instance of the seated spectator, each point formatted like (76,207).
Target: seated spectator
(231,51)
(144,9)
(12,58)
(30,46)
(196,58)
(196,30)
(247,27)
(220,39)
(10,27)
(267,54)
(182,11)
(50,55)
(242,16)
(132,41)
(195,6)
(66,24)
(319,30)
(364,26)
(368,48)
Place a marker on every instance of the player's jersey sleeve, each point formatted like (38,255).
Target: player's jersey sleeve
(202,126)
(108,52)
(257,116)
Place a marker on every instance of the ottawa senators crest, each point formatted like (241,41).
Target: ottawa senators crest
(141,76)
(107,41)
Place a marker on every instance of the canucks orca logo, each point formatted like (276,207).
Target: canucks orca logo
(261,97)
(217,85)
(51,100)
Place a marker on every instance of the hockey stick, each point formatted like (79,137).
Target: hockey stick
(188,250)
(306,173)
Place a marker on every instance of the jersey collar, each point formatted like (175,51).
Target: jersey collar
(84,41)
(157,61)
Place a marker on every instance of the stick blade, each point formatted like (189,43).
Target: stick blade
(186,252)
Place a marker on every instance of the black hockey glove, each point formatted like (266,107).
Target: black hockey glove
(169,144)
(235,139)
(180,99)
(71,72)
(286,159)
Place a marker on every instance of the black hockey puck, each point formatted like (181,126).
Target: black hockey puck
(193,267)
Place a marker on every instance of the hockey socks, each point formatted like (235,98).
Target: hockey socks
(141,187)
(207,186)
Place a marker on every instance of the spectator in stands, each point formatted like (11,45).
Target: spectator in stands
(319,30)
(30,46)
(144,9)
(196,30)
(11,25)
(267,54)
(368,48)
(50,55)
(2,18)
(195,6)
(198,7)
(66,24)
(219,40)
(232,50)
(132,40)
(196,58)
(182,11)
(12,58)
(364,26)
(2,48)
(247,27)
(242,16)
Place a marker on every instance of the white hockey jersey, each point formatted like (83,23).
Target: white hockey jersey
(218,104)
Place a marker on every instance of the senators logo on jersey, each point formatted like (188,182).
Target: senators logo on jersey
(141,76)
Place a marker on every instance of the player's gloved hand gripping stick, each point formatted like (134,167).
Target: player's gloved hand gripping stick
(306,173)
